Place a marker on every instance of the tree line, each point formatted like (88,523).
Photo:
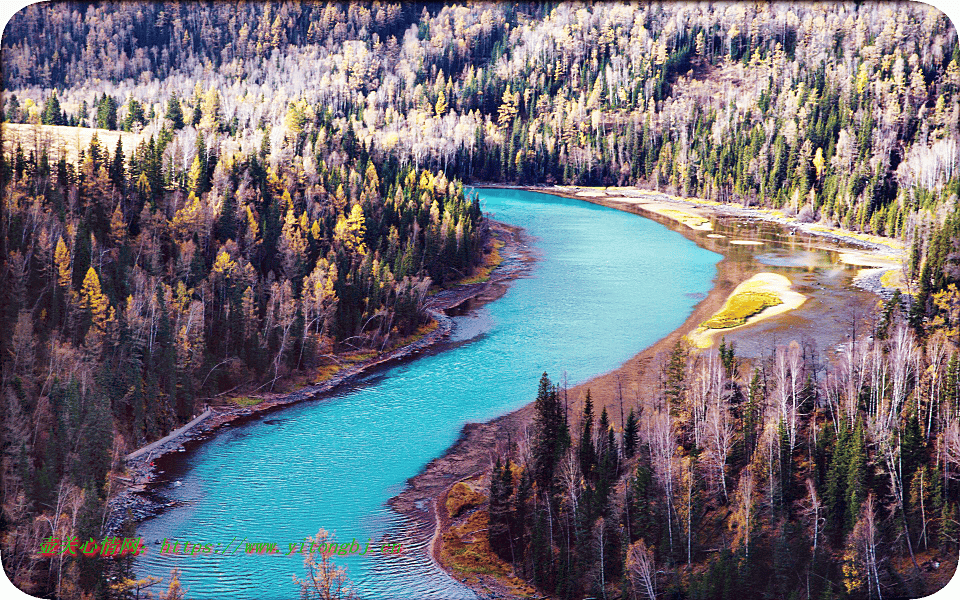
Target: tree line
(135,292)
(780,477)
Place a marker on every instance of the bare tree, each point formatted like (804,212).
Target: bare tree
(642,569)
(814,509)
(324,580)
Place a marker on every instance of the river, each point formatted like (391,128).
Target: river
(606,285)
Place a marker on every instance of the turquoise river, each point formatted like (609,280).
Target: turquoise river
(606,285)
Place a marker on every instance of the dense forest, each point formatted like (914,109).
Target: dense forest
(295,188)
(789,477)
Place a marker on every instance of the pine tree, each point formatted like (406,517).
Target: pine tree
(837,479)
(630,435)
(856,475)
(551,437)
(675,386)
(175,112)
(498,532)
(586,452)
(52,114)
(116,172)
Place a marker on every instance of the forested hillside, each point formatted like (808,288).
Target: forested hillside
(792,477)
(298,187)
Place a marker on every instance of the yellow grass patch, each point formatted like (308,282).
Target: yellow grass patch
(686,218)
(462,496)
(741,306)
(490,262)
(246,401)
(63,141)
(893,279)
(762,296)
(863,237)
(325,372)
(466,551)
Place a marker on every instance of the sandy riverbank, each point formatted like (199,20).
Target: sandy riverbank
(133,490)
(474,451)
(764,283)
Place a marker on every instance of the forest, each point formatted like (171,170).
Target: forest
(789,477)
(295,189)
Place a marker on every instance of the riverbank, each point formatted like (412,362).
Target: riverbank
(133,490)
(880,256)
(469,459)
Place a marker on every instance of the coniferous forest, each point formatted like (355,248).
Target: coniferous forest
(287,184)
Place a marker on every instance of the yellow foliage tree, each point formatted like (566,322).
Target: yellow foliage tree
(508,109)
(102,316)
(819,162)
(441,106)
(61,258)
(224,265)
(349,231)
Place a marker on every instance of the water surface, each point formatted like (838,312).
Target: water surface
(607,285)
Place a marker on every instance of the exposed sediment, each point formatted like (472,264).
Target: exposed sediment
(475,449)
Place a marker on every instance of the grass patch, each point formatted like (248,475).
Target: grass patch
(863,237)
(416,336)
(326,372)
(461,497)
(688,219)
(358,356)
(246,401)
(740,307)
(491,261)
(893,279)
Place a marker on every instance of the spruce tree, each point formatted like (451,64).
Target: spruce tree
(586,452)
(175,112)
(551,437)
(856,475)
(630,435)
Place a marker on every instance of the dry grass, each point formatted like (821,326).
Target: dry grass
(893,279)
(416,336)
(491,261)
(740,307)
(863,237)
(463,496)
(60,140)
(465,549)
(246,401)
(325,372)
(686,218)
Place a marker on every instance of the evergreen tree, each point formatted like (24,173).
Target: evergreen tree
(630,435)
(856,482)
(586,452)
(174,112)
(116,173)
(106,113)
(498,531)
(551,437)
(52,114)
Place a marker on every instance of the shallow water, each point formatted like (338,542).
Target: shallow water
(607,285)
